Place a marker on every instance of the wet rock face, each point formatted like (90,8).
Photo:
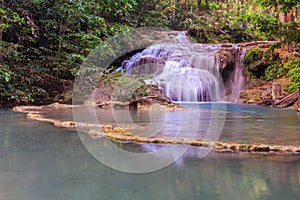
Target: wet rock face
(227,58)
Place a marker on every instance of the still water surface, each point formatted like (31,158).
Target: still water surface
(39,161)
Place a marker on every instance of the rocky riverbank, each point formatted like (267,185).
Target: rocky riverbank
(270,93)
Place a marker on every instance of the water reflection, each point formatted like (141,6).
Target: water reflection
(243,124)
(39,161)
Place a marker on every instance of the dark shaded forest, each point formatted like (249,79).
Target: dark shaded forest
(43,42)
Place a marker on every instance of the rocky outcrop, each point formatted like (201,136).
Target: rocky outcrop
(153,98)
(229,52)
(269,63)
(269,93)
(276,91)
(99,95)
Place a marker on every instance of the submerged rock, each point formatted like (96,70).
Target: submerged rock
(122,134)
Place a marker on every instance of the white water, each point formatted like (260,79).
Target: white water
(187,71)
(238,79)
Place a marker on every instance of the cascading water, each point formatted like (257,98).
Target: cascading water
(185,71)
(237,80)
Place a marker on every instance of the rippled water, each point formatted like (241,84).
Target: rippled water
(39,161)
(235,122)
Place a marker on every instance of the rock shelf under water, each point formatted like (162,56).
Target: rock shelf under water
(122,134)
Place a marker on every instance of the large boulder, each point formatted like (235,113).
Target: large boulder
(150,98)
(155,99)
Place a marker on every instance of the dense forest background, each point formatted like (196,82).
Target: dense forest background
(43,42)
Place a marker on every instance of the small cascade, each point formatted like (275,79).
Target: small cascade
(187,83)
(186,71)
(237,79)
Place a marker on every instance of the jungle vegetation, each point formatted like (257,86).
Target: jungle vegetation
(43,42)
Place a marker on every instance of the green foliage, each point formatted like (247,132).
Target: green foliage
(157,13)
(270,73)
(5,75)
(214,27)
(274,65)
(127,88)
(5,82)
(119,9)
(265,27)
(235,25)
(13,87)
(290,33)
(241,24)
(293,68)
(49,33)
(53,38)
(280,5)
(24,96)
(252,55)
(123,88)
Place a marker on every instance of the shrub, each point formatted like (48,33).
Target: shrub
(293,67)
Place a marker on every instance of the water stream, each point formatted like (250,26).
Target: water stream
(188,71)
(237,80)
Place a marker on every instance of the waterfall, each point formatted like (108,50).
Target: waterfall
(182,83)
(237,79)
(185,71)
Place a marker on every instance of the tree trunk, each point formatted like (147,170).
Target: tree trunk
(298,13)
(199,5)
(288,100)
